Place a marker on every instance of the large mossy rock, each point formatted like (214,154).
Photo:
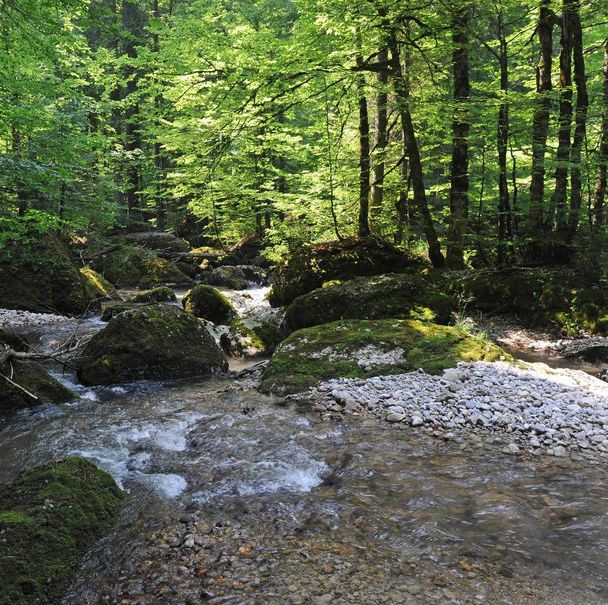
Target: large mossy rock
(232,278)
(404,296)
(210,304)
(134,267)
(165,245)
(365,348)
(309,267)
(49,517)
(252,337)
(558,295)
(29,375)
(34,379)
(152,342)
(156,295)
(40,276)
(97,287)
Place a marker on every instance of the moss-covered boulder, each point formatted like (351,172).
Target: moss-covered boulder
(153,342)
(49,517)
(41,387)
(365,348)
(404,296)
(39,275)
(111,310)
(228,277)
(210,304)
(26,383)
(309,267)
(97,287)
(252,337)
(165,245)
(547,295)
(156,295)
(134,267)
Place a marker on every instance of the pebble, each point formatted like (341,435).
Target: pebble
(560,410)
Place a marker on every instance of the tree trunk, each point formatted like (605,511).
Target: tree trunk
(602,170)
(459,178)
(540,124)
(381,137)
(22,196)
(580,128)
(159,202)
(415,164)
(505,216)
(557,209)
(363,229)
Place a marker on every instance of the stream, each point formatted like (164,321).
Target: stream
(235,498)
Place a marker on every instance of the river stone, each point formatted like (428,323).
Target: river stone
(152,342)
(156,295)
(210,304)
(39,275)
(49,517)
(232,278)
(383,296)
(365,348)
(309,267)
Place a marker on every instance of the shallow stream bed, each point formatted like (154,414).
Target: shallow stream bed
(236,498)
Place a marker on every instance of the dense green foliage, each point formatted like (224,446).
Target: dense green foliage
(248,115)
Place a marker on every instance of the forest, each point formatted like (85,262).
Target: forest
(474,132)
(303,302)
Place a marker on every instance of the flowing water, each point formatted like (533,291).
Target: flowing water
(235,498)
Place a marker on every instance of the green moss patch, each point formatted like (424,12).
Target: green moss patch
(49,517)
(210,304)
(155,342)
(98,287)
(311,266)
(365,348)
(250,337)
(378,297)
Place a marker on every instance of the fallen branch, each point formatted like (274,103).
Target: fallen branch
(18,386)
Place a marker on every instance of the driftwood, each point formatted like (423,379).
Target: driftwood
(91,257)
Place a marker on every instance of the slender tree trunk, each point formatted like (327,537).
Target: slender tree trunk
(22,197)
(160,202)
(580,121)
(132,22)
(415,164)
(459,178)
(557,209)
(540,124)
(602,169)
(363,229)
(381,137)
(505,216)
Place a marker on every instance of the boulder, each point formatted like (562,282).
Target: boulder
(403,296)
(166,245)
(50,516)
(97,287)
(111,310)
(542,295)
(366,348)
(208,303)
(232,278)
(156,295)
(41,387)
(309,267)
(252,337)
(140,268)
(592,349)
(40,276)
(152,342)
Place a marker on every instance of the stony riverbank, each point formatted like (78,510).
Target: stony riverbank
(535,409)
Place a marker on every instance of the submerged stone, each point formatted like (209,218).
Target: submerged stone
(49,517)
(365,348)
(154,342)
